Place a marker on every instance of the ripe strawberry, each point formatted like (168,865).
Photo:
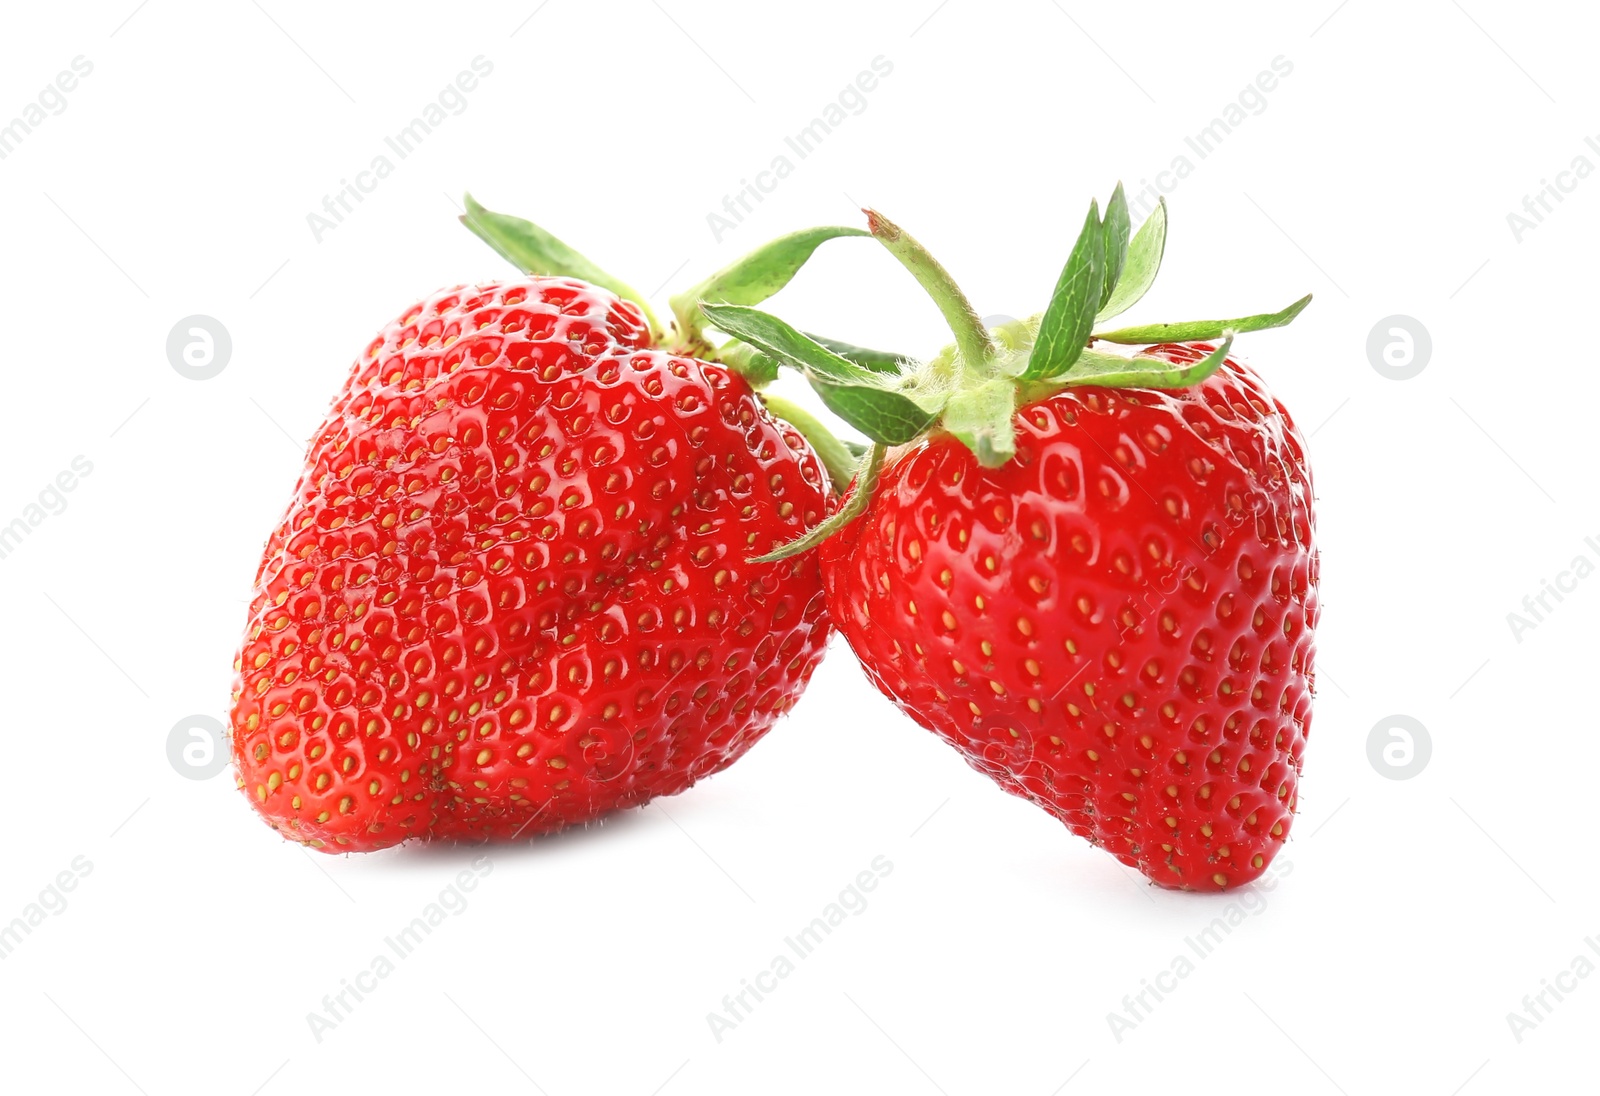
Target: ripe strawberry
(1115,624)
(1093,575)
(511,591)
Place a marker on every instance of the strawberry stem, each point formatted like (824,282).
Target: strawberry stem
(972,338)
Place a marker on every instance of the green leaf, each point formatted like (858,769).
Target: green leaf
(1144,259)
(1064,327)
(854,506)
(885,407)
(755,277)
(1115,228)
(879,361)
(532,250)
(981,418)
(1100,369)
(882,414)
(1204,329)
(776,338)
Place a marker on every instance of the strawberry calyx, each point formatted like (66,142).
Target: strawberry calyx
(972,389)
(750,279)
(746,281)
(532,250)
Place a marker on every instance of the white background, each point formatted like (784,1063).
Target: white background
(1418,912)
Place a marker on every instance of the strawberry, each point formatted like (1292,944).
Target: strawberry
(1093,574)
(511,591)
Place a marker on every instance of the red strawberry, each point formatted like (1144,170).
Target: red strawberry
(1097,579)
(1116,624)
(511,592)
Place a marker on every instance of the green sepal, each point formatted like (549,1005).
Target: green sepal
(1064,327)
(879,361)
(1204,329)
(1139,269)
(753,278)
(777,339)
(855,504)
(1098,369)
(882,406)
(532,250)
(981,419)
(882,414)
(1114,227)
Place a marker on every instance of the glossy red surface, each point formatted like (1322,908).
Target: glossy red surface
(1117,625)
(510,593)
